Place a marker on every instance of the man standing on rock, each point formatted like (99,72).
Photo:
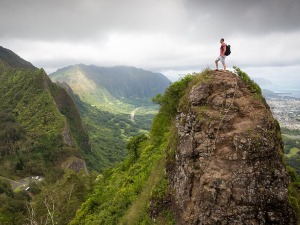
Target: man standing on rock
(222,55)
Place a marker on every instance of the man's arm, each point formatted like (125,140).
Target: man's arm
(224,49)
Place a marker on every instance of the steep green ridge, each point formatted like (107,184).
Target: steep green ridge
(10,59)
(40,124)
(68,108)
(41,133)
(106,98)
(26,104)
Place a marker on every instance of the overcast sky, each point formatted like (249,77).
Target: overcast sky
(169,36)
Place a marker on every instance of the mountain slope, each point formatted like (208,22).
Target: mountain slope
(12,60)
(119,88)
(40,123)
(214,156)
(42,145)
(115,104)
(107,142)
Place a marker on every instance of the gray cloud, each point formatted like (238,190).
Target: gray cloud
(160,35)
(76,19)
(248,17)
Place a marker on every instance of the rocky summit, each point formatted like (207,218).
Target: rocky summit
(228,166)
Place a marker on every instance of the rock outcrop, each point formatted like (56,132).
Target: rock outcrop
(76,164)
(228,162)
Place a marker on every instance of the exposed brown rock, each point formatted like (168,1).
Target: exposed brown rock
(228,165)
(199,93)
(67,136)
(74,163)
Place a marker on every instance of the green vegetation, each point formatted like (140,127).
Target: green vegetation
(40,128)
(295,133)
(170,100)
(30,122)
(200,78)
(291,142)
(253,87)
(294,190)
(59,201)
(136,191)
(68,109)
(120,81)
(11,60)
(292,152)
(34,112)
(13,206)
(122,194)
(55,202)
(105,98)
(117,89)
(108,132)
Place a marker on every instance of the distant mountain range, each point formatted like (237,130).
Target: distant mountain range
(288,88)
(262,81)
(112,87)
(105,97)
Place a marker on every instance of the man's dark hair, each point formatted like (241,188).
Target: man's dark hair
(222,39)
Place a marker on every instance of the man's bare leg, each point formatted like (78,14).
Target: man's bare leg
(217,66)
(224,65)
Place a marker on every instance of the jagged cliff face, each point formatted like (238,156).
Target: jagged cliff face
(228,162)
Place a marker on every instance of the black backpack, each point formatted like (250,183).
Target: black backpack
(228,51)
